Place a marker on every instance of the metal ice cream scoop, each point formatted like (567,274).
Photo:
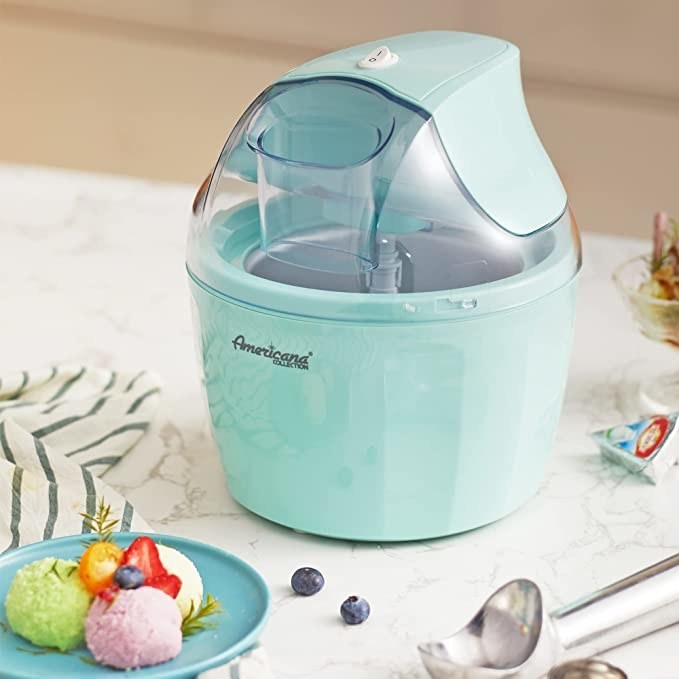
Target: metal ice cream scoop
(513,636)
(586,669)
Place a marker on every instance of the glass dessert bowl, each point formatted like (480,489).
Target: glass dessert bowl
(658,319)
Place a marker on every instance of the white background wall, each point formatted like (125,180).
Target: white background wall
(152,87)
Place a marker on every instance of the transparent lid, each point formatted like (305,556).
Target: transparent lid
(351,190)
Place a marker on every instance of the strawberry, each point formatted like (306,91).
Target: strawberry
(143,554)
(170,584)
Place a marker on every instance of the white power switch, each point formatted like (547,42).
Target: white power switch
(380,57)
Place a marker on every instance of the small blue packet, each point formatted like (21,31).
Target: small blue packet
(649,447)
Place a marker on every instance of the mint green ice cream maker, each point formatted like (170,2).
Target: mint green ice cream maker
(383,269)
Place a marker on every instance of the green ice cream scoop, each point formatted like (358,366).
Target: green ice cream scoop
(47,604)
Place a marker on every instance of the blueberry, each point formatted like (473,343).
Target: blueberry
(129,577)
(307,581)
(355,610)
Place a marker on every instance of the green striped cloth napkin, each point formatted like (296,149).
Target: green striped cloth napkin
(61,428)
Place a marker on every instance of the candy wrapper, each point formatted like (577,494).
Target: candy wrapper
(649,447)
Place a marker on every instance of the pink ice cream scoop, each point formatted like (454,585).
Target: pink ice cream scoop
(140,627)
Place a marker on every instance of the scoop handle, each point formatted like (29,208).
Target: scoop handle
(626,610)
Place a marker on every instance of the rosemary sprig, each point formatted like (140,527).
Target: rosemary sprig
(41,651)
(88,661)
(100,523)
(195,620)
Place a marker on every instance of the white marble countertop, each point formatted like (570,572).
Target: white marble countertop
(92,270)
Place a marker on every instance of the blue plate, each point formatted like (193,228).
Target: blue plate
(240,589)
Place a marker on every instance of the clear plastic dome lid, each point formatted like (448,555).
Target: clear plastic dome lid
(335,184)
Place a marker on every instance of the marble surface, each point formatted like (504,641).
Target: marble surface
(92,270)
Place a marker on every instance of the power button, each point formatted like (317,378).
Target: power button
(380,57)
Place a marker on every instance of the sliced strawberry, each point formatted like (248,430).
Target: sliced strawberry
(143,554)
(170,584)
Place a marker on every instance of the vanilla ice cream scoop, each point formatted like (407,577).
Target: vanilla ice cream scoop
(180,565)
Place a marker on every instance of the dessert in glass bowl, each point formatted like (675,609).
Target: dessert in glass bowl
(649,285)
